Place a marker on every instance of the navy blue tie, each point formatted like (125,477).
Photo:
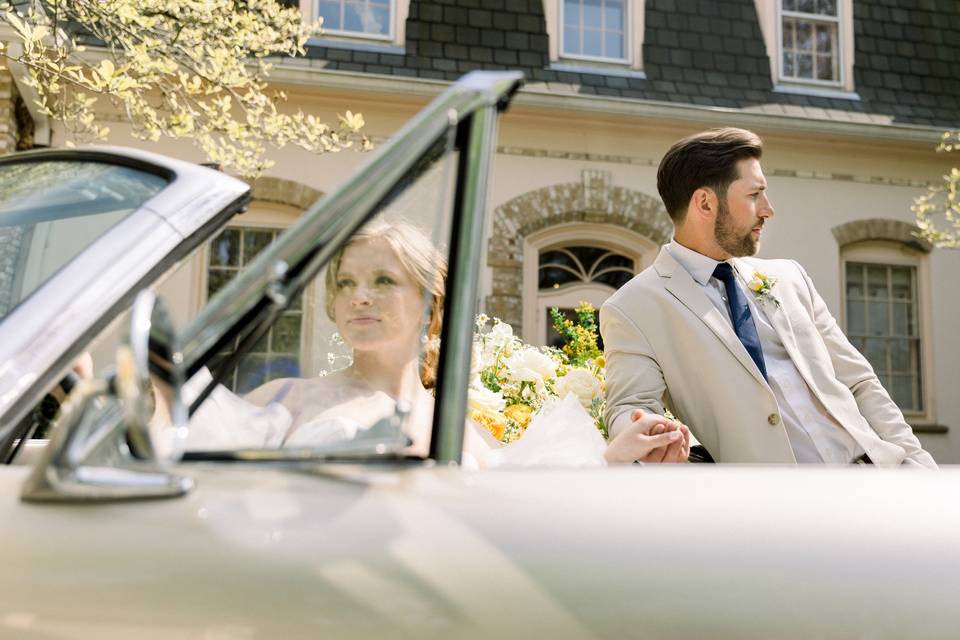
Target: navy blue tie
(743,324)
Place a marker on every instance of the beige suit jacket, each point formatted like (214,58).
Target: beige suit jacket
(665,341)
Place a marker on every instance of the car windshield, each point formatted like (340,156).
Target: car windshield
(50,211)
(350,363)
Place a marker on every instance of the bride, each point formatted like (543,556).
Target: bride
(385,291)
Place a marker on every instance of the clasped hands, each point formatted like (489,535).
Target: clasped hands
(650,438)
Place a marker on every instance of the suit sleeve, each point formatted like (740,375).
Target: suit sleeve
(854,371)
(634,379)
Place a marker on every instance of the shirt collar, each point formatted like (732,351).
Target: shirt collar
(699,266)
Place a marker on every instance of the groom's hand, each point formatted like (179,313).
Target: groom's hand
(650,438)
(676,451)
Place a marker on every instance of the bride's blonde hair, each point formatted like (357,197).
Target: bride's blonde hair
(426,266)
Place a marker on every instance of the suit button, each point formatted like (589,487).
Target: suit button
(773,419)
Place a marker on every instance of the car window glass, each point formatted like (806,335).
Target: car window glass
(51,211)
(355,353)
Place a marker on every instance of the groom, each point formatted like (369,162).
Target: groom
(744,350)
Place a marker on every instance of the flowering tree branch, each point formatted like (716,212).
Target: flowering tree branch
(941,201)
(192,69)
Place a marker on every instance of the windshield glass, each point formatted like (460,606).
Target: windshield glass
(351,362)
(51,211)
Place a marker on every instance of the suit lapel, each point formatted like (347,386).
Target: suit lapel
(780,321)
(684,288)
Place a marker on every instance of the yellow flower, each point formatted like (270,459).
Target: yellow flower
(519,413)
(600,362)
(492,422)
(756,284)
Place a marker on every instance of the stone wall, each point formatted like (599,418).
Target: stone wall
(594,200)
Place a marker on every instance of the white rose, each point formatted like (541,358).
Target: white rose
(480,398)
(529,365)
(500,336)
(580,383)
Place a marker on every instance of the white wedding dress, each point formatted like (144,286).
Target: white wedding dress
(561,435)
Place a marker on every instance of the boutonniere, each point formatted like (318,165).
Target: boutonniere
(762,287)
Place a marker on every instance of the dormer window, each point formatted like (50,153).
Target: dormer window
(358,18)
(810,41)
(594,30)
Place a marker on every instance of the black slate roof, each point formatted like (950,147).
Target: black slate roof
(705,52)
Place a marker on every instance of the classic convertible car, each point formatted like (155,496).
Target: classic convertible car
(191,475)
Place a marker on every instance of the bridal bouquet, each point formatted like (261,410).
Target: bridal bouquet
(511,382)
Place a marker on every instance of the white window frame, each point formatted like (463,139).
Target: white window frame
(399,10)
(641,250)
(770,14)
(892,253)
(633,39)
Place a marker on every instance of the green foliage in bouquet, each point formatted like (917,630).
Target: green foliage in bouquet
(512,382)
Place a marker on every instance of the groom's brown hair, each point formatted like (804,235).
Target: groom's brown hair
(705,159)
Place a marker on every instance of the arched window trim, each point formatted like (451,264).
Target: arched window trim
(895,252)
(617,239)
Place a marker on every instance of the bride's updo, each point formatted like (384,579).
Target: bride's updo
(425,265)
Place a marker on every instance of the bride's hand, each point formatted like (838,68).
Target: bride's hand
(650,438)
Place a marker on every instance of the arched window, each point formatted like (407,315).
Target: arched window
(568,264)
(568,275)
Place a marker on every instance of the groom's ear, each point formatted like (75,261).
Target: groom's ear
(703,203)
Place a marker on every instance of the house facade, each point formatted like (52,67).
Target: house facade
(850,97)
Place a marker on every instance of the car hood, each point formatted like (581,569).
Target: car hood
(282,551)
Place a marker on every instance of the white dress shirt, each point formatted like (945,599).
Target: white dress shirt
(815,436)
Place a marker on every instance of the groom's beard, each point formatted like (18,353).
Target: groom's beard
(732,240)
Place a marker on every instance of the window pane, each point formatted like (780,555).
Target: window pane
(217,279)
(789,5)
(593,13)
(789,68)
(827,7)
(254,242)
(856,317)
(353,17)
(330,12)
(877,282)
(225,249)
(593,43)
(824,68)
(379,20)
(902,283)
(878,318)
(901,389)
(614,46)
(614,278)
(804,36)
(903,324)
(561,258)
(571,13)
(788,34)
(571,41)
(804,66)
(901,356)
(286,334)
(613,16)
(825,38)
(854,280)
(554,278)
(876,352)
(806,6)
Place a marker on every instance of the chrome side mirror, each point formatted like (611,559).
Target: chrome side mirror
(110,442)
(148,382)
